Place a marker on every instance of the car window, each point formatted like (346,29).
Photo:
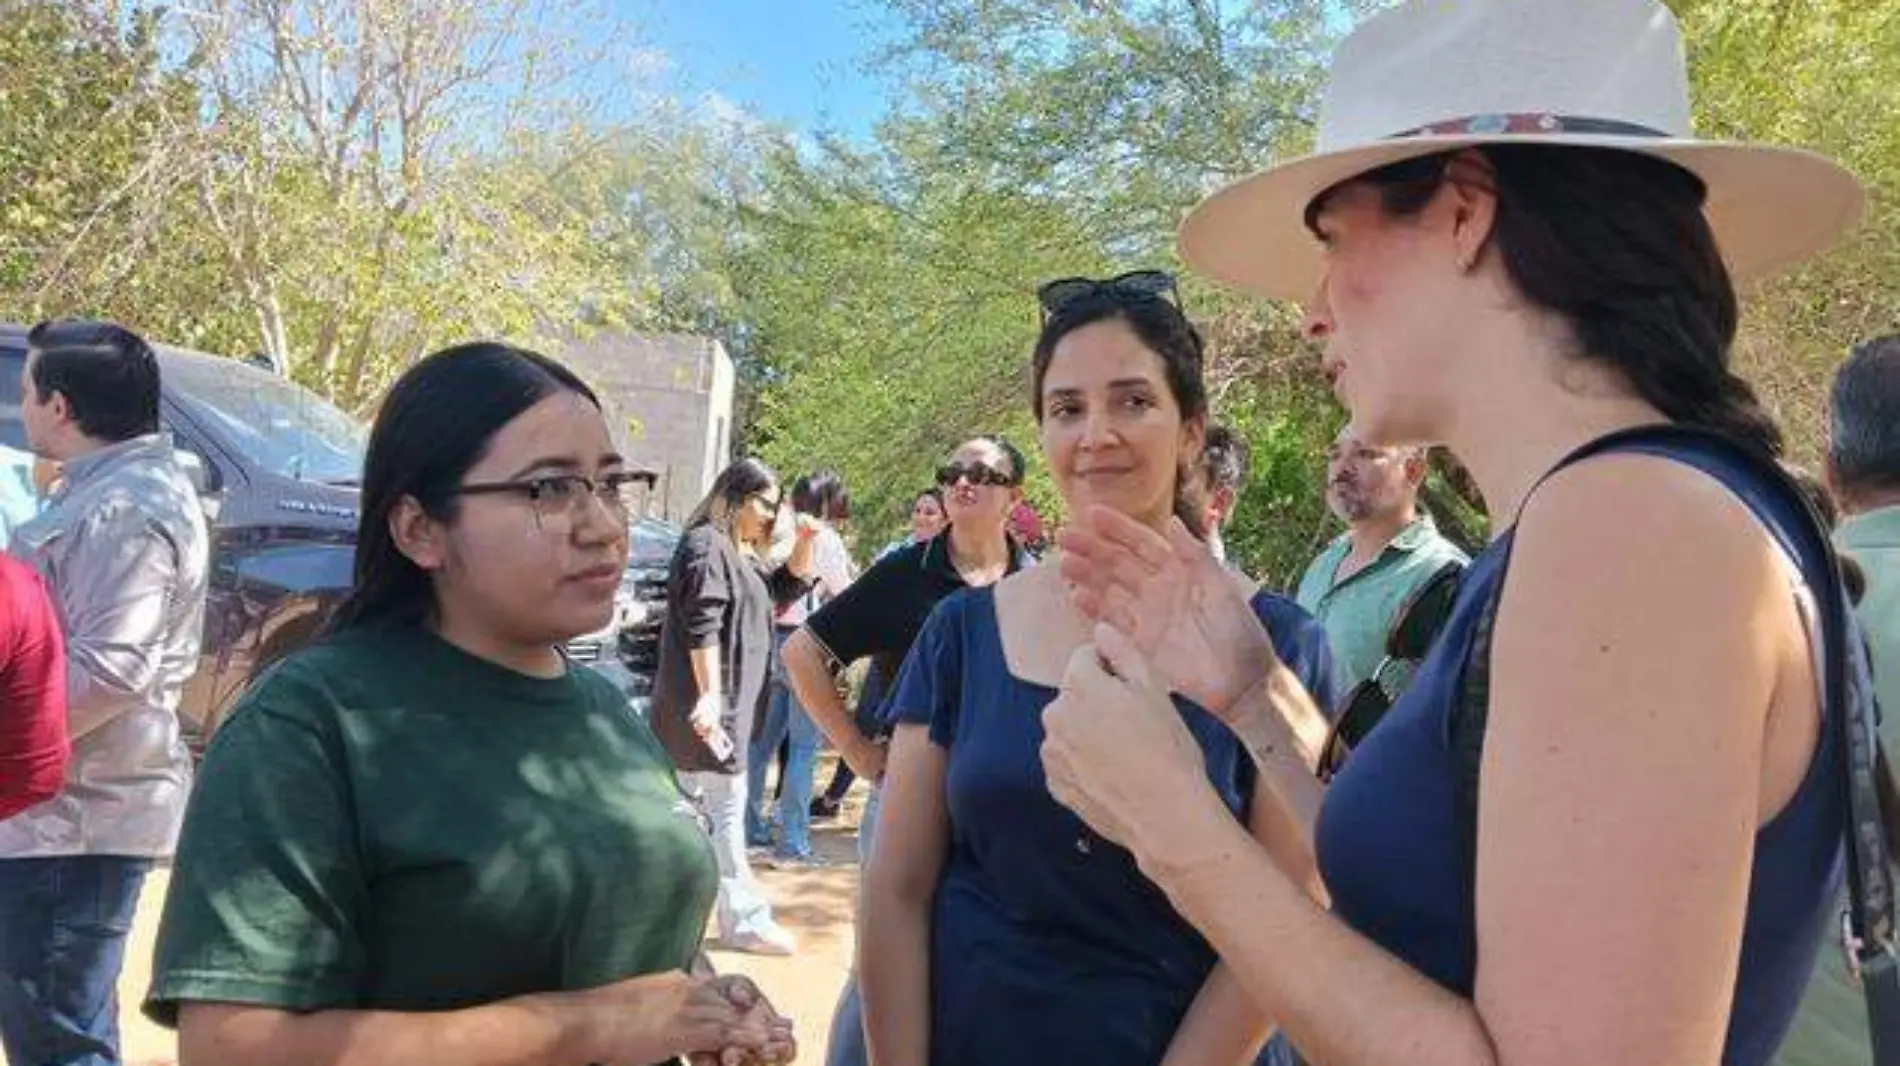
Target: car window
(12,430)
(273,423)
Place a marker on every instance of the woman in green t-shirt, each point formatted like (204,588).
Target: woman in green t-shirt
(429,838)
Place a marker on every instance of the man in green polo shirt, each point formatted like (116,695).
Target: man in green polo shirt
(1358,584)
(1863,470)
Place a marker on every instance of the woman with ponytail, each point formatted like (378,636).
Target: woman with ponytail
(997,928)
(1605,822)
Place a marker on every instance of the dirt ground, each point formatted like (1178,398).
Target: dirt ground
(817,906)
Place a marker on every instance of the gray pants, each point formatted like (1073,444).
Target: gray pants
(847,1022)
(742,907)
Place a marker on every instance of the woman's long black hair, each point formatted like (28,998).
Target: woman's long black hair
(435,424)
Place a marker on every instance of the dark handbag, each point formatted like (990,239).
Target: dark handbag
(1414,628)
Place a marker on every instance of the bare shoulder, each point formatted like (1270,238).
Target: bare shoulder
(1622,514)
(1640,587)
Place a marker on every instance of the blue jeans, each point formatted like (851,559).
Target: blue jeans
(63,925)
(847,1019)
(783,716)
(761,752)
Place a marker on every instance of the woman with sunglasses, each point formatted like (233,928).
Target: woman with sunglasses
(927,519)
(878,618)
(1605,822)
(714,660)
(430,838)
(997,928)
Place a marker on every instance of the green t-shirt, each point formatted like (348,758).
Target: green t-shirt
(387,822)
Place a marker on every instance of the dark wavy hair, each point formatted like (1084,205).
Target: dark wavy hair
(436,423)
(822,494)
(1617,245)
(1164,330)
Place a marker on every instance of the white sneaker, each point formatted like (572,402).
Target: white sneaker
(772,940)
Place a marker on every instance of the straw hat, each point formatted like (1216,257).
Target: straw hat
(1434,75)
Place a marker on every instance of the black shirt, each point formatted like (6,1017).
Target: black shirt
(881,612)
(715,597)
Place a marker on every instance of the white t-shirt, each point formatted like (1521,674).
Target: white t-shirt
(831,564)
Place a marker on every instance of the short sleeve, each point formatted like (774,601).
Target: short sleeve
(268,891)
(700,590)
(1301,643)
(857,622)
(929,687)
(834,564)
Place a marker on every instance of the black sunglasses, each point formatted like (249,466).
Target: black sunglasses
(1134,285)
(976,473)
(1406,644)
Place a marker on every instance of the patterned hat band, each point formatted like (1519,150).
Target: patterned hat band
(1528,124)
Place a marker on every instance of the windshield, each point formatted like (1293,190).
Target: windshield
(280,426)
(651,545)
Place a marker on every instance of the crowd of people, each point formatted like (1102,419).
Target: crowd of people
(1596,812)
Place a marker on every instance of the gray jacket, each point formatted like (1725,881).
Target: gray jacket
(123,549)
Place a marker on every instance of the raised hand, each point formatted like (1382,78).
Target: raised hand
(1185,613)
(1115,751)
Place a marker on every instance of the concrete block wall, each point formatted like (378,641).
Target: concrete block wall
(668,399)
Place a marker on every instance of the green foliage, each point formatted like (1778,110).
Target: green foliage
(174,170)
(888,290)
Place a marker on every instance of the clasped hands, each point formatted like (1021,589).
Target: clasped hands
(1168,618)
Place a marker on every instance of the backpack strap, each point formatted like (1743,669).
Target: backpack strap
(1848,709)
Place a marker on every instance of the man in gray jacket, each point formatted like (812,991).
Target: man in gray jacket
(122,547)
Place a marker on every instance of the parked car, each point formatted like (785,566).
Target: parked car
(627,651)
(277,468)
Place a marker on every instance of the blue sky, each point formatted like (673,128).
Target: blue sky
(796,62)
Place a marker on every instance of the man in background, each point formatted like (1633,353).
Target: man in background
(1359,584)
(122,547)
(1863,473)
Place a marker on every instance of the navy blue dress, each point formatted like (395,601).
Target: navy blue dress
(1388,835)
(1048,945)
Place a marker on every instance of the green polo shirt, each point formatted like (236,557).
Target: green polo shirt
(1357,612)
(1832,1027)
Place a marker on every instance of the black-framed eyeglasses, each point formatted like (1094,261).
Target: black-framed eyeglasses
(559,498)
(1135,285)
(772,503)
(978,474)
(1407,642)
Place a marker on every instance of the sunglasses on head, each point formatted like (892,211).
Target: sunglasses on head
(1134,285)
(1406,645)
(974,473)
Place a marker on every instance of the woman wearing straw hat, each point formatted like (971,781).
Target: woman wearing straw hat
(1508,242)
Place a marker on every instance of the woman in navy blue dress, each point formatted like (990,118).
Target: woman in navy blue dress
(1517,249)
(997,928)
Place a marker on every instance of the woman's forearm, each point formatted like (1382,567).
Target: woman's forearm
(706,669)
(1343,1000)
(803,559)
(544,1030)
(894,979)
(817,693)
(1283,731)
(1223,1026)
